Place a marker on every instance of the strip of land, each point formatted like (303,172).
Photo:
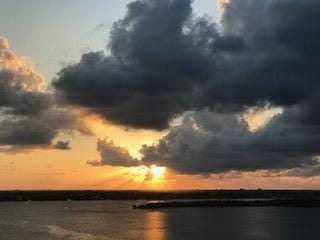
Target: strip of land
(232,203)
(159,195)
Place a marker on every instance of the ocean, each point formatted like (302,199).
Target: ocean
(116,220)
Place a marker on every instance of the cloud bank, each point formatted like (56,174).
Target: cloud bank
(160,58)
(165,62)
(160,67)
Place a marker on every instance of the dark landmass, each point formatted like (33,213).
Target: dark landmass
(305,203)
(159,195)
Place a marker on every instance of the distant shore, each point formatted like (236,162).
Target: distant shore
(303,203)
(87,195)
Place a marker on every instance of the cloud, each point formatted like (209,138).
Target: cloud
(164,61)
(113,155)
(184,63)
(280,61)
(20,84)
(62,145)
(221,4)
(208,142)
(25,132)
(4,43)
(154,70)
(29,115)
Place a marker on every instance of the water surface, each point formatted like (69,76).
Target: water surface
(116,220)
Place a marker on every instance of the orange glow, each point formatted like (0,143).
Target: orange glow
(155,223)
(128,138)
(157,172)
(221,4)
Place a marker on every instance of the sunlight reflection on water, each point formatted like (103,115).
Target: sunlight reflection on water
(155,225)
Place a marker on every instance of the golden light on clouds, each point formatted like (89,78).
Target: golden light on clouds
(221,4)
(4,43)
(145,173)
(24,73)
(258,118)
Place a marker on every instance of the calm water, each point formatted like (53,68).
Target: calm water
(116,220)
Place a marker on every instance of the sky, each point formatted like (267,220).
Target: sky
(148,94)
(56,32)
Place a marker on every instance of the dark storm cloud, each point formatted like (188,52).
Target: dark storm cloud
(163,61)
(113,155)
(159,54)
(280,63)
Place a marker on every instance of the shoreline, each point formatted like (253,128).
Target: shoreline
(294,203)
(90,195)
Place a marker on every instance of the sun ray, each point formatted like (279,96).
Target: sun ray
(157,172)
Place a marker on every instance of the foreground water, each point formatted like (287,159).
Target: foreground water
(116,220)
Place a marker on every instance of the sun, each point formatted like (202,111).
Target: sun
(157,172)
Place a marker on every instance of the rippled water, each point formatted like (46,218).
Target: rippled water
(105,220)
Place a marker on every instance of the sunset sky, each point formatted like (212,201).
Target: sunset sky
(150,94)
